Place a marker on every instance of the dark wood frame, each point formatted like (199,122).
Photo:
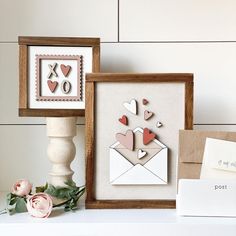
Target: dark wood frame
(91,80)
(24,44)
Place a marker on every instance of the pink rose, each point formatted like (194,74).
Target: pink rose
(39,205)
(22,187)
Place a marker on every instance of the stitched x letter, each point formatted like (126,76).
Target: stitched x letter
(52,70)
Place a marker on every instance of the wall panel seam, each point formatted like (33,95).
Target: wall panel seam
(146,42)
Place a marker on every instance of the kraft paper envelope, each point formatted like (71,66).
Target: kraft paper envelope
(127,169)
(191,150)
(219,160)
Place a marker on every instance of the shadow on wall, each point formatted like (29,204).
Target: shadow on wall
(111,64)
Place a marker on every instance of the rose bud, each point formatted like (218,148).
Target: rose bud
(22,187)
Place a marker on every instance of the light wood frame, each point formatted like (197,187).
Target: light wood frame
(24,44)
(91,81)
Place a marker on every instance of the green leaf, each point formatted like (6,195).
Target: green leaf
(41,189)
(20,205)
(61,192)
(71,183)
(11,199)
(51,190)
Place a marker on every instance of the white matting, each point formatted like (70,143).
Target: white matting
(86,52)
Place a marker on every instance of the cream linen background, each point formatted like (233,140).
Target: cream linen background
(166,100)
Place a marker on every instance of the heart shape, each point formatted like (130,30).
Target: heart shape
(145,101)
(148,136)
(124,120)
(127,140)
(159,124)
(52,85)
(65,69)
(131,106)
(148,114)
(141,153)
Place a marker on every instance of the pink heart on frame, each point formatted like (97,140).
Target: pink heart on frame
(52,85)
(147,114)
(65,69)
(127,140)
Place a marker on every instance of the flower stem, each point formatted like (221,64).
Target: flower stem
(4,211)
(79,194)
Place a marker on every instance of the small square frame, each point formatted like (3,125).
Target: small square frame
(91,112)
(24,89)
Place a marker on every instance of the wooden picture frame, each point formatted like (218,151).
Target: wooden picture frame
(82,53)
(97,85)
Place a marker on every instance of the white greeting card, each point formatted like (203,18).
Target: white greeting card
(219,160)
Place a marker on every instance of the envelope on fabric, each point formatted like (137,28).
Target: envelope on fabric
(127,169)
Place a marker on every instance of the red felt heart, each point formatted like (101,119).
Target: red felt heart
(65,69)
(124,120)
(145,101)
(127,140)
(52,85)
(148,136)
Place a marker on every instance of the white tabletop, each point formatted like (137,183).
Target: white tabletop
(115,222)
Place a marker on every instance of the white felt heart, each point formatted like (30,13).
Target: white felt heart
(131,106)
(159,124)
(141,153)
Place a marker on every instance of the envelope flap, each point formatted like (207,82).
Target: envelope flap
(192,143)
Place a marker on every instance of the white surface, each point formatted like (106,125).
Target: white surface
(219,160)
(206,197)
(87,60)
(116,222)
(182,20)
(73,18)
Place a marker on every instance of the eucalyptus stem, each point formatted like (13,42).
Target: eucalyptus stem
(79,194)
(4,211)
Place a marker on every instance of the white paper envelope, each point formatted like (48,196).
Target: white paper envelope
(219,159)
(127,169)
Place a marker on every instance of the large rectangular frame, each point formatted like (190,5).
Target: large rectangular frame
(24,44)
(91,81)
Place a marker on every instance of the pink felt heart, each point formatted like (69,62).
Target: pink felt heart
(127,140)
(65,69)
(148,136)
(124,120)
(147,115)
(52,85)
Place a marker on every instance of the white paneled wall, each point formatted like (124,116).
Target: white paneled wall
(197,36)
(179,20)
